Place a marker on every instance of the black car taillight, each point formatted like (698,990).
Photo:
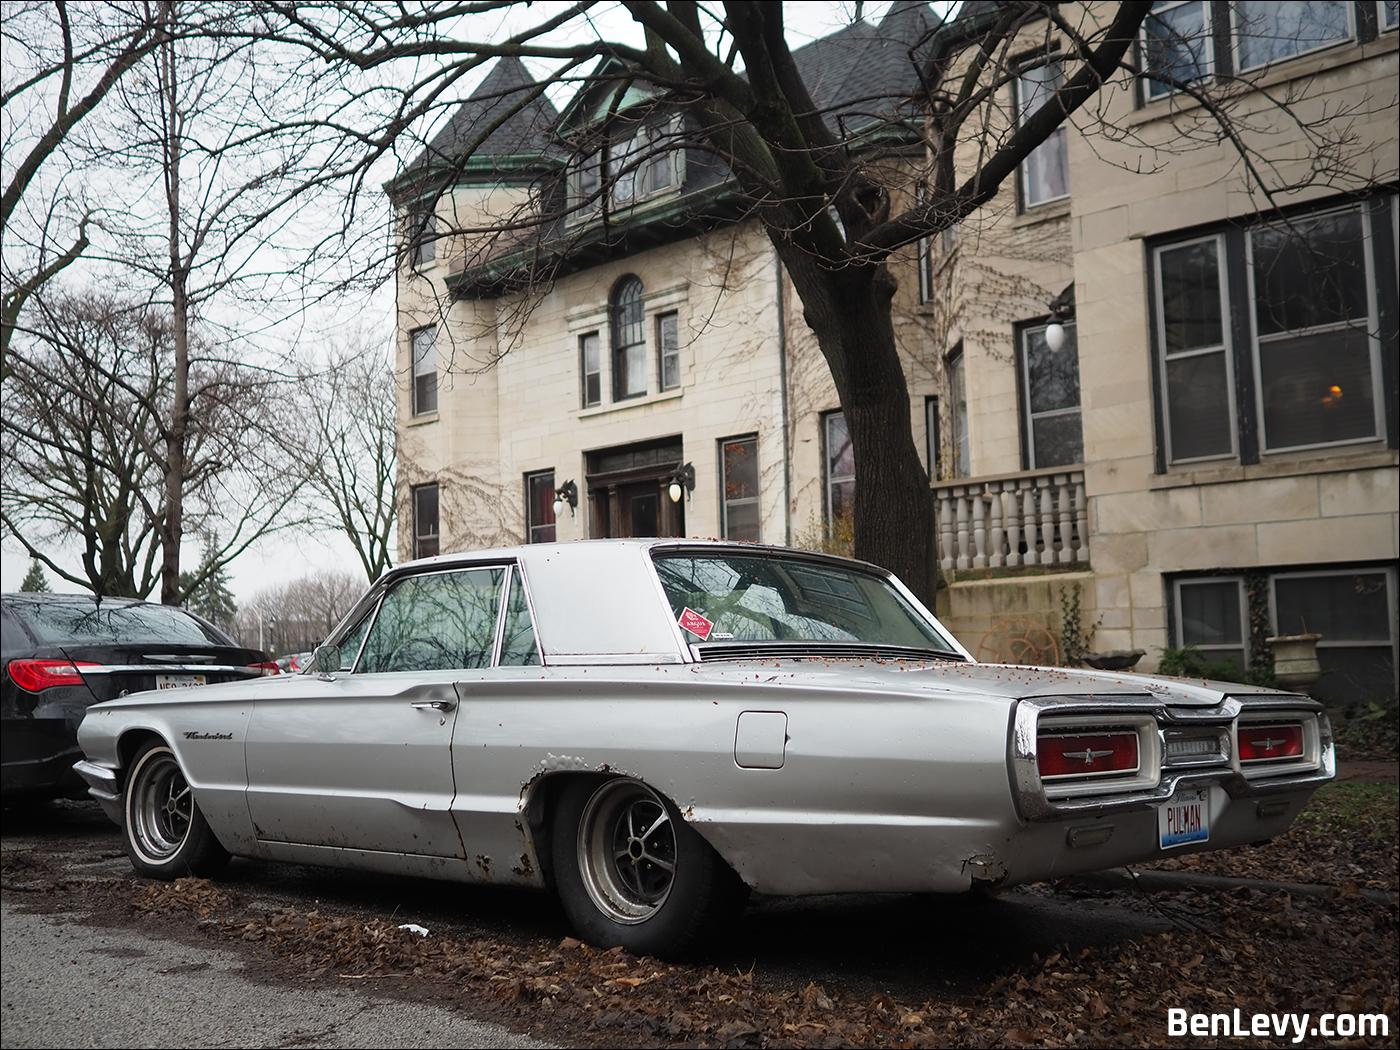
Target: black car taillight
(36,675)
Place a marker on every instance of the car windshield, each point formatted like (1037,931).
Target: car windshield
(107,623)
(728,597)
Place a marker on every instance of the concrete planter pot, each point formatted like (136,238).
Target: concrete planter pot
(1295,660)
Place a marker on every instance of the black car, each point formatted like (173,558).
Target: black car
(62,652)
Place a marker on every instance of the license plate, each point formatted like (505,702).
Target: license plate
(179,681)
(1183,818)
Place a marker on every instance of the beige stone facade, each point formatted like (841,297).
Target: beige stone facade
(1276,501)
(1171,524)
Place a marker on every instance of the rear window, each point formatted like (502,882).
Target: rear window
(746,598)
(105,623)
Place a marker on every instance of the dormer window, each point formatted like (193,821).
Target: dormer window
(585,182)
(624,160)
(639,161)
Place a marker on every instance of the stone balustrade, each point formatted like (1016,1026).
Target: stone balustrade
(1034,517)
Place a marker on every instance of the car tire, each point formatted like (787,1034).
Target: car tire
(630,871)
(166,835)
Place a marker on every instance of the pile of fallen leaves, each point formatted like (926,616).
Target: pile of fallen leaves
(1251,948)
(1261,952)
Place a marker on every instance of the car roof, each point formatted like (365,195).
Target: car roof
(600,599)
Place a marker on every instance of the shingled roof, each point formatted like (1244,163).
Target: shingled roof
(858,76)
(524,134)
(862,74)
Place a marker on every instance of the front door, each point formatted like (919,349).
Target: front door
(627,491)
(636,509)
(363,760)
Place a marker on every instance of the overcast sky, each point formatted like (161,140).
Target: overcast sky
(284,557)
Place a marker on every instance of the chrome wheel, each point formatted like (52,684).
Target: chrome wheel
(160,806)
(166,834)
(627,854)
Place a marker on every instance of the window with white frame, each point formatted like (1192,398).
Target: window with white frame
(425,521)
(1187,40)
(1353,608)
(1212,615)
(1052,429)
(1177,43)
(668,350)
(539,507)
(1389,14)
(840,470)
(1267,31)
(1268,338)
(739,473)
(1044,176)
(425,385)
(629,349)
(590,357)
(625,160)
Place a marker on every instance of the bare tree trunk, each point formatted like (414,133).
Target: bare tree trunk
(172,525)
(849,311)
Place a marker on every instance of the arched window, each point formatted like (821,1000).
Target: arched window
(628,340)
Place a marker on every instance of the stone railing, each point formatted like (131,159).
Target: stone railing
(1035,517)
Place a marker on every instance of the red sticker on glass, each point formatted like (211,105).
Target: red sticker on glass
(696,624)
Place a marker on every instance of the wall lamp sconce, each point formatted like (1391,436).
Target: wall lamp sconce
(1061,311)
(682,482)
(565,495)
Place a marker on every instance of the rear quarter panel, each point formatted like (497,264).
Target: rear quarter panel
(884,785)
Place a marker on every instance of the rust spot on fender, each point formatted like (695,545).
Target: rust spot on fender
(524,868)
(483,863)
(985,869)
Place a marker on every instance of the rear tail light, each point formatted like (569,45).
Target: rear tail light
(265,668)
(1271,743)
(36,675)
(1105,753)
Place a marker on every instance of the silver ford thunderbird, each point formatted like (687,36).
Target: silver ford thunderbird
(654,727)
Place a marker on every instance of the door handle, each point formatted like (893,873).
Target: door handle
(434,705)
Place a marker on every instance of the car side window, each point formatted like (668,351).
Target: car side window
(518,646)
(436,621)
(353,639)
